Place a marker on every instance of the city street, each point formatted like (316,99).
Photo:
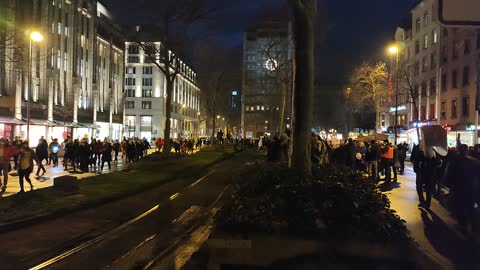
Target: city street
(124,234)
(435,230)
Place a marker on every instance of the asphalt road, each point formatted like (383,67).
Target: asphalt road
(117,235)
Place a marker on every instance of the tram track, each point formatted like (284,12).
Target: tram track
(109,234)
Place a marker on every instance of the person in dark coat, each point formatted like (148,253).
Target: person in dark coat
(350,153)
(106,154)
(402,156)
(84,155)
(42,154)
(462,177)
(116,149)
(69,154)
(423,168)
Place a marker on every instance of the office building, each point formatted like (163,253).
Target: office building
(72,84)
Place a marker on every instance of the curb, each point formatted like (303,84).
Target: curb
(6,227)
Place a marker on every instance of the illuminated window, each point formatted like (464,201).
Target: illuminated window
(425,41)
(65,61)
(454,109)
(435,36)
(146,105)
(147,93)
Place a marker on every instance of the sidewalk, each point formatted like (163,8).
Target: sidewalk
(46,180)
(435,230)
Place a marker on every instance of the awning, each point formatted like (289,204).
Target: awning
(70,124)
(89,125)
(11,120)
(41,122)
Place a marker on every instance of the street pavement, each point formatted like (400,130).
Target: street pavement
(46,180)
(128,233)
(435,231)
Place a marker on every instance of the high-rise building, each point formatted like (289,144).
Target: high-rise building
(68,84)
(145,96)
(266,91)
(441,64)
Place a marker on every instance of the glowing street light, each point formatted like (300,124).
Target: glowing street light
(34,37)
(218,116)
(394,52)
(393,49)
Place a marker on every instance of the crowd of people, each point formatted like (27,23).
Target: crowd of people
(453,175)
(79,155)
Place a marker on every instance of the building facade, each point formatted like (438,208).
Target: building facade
(442,67)
(266,86)
(71,82)
(145,97)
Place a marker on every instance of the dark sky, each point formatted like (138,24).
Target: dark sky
(355,30)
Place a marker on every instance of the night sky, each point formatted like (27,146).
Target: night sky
(355,30)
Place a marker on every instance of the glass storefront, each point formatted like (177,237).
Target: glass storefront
(466,137)
(6,131)
(36,132)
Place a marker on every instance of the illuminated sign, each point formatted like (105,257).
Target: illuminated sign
(472,128)
(400,108)
(234,93)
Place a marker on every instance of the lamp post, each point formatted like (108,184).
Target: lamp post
(394,51)
(34,37)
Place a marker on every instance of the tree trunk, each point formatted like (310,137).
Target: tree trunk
(282,113)
(167,147)
(214,120)
(304,13)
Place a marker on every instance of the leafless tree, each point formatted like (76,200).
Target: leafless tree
(276,50)
(304,18)
(174,21)
(368,88)
(409,89)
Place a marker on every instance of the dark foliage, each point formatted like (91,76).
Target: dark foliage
(333,203)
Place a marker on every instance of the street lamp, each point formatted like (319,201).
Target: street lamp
(394,52)
(34,37)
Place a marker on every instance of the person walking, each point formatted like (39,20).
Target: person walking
(54,148)
(462,177)
(6,153)
(42,153)
(84,155)
(69,154)
(25,165)
(106,154)
(402,156)
(116,149)
(371,157)
(423,168)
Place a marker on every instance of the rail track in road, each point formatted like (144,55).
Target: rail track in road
(92,243)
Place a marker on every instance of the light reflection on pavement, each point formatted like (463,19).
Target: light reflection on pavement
(435,231)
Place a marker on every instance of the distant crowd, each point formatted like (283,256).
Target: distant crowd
(79,155)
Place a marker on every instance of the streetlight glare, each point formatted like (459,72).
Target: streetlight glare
(36,36)
(393,49)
